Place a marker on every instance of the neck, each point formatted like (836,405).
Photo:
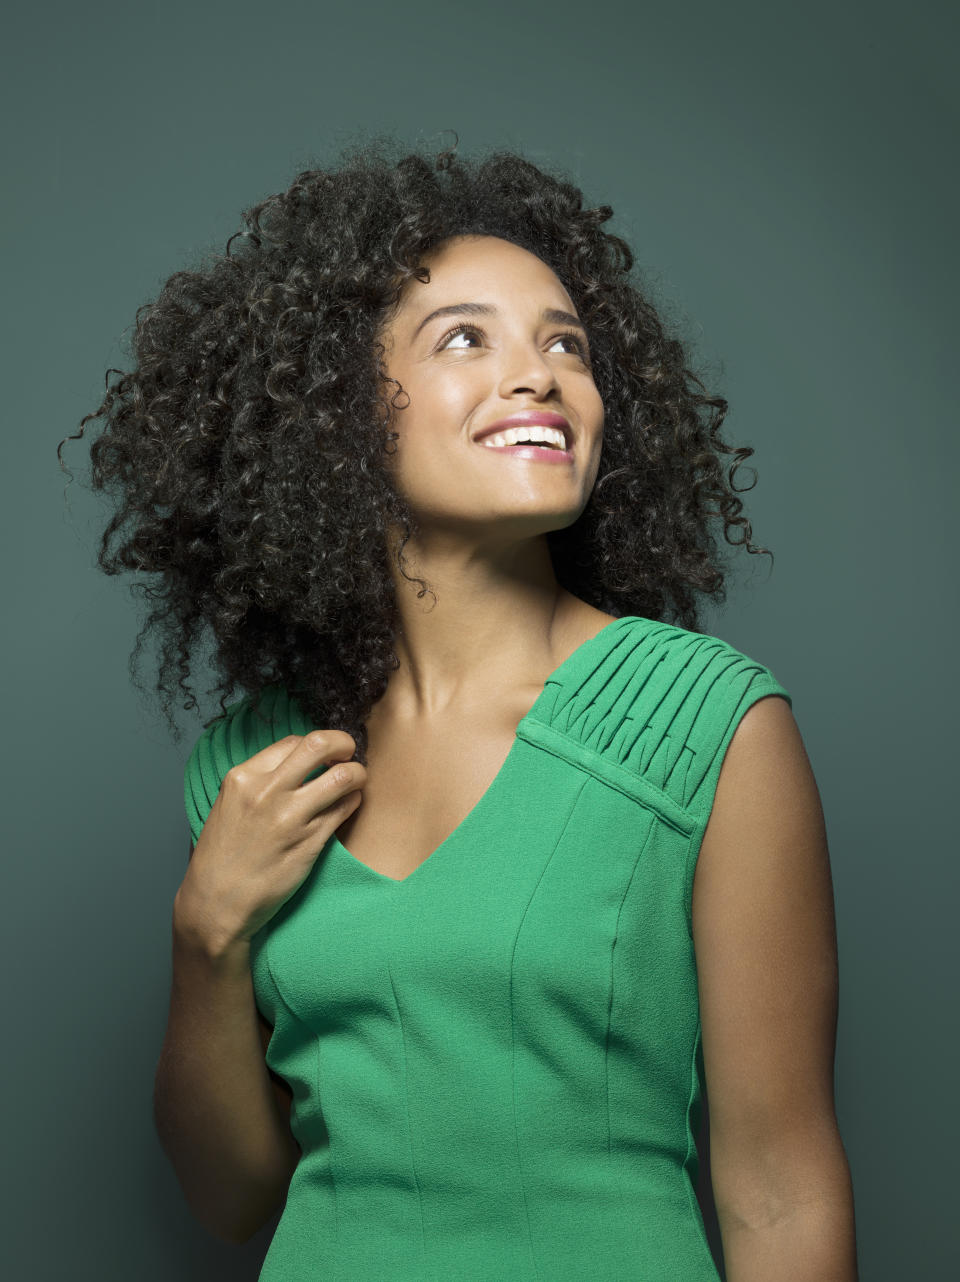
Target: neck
(497,626)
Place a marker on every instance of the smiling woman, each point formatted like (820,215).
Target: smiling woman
(484,896)
(468,384)
(249,446)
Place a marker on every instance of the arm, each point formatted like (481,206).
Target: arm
(766,952)
(221,1116)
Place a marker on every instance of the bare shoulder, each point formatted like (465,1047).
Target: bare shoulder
(768,729)
(766,828)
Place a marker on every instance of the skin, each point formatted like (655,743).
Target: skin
(762,910)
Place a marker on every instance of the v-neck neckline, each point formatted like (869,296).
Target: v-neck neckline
(561,670)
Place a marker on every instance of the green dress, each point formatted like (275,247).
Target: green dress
(496,1061)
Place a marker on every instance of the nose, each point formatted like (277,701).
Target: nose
(526,370)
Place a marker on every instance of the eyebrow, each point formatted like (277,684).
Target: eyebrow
(553,314)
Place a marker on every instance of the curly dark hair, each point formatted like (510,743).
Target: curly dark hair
(246,446)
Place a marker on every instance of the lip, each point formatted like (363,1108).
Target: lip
(525,418)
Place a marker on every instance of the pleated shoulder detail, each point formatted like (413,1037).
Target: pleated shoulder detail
(650,709)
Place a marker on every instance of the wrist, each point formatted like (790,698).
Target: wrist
(200,931)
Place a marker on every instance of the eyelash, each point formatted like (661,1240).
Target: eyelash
(465,327)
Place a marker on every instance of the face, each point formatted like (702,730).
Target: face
(463,372)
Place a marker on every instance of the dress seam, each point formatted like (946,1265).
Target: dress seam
(606,1049)
(406,1112)
(513,1038)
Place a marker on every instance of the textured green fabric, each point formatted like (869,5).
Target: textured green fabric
(496,1062)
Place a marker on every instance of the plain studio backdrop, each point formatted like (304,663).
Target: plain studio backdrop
(786,176)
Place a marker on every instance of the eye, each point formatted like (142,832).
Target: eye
(578,342)
(458,329)
(566,337)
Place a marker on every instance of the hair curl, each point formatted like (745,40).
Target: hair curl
(245,448)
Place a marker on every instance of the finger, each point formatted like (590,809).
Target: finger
(327,811)
(273,754)
(338,780)
(311,756)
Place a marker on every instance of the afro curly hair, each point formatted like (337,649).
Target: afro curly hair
(245,449)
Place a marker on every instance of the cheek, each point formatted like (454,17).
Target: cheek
(436,407)
(596,406)
(433,418)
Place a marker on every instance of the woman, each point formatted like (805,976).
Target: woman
(487,891)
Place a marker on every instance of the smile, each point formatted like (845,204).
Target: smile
(534,453)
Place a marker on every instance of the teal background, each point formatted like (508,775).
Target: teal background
(787,177)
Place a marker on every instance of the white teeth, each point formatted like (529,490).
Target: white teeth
(535,434)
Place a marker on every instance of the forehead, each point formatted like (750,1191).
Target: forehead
(487,266)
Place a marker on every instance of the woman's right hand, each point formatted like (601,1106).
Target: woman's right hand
(264,832)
